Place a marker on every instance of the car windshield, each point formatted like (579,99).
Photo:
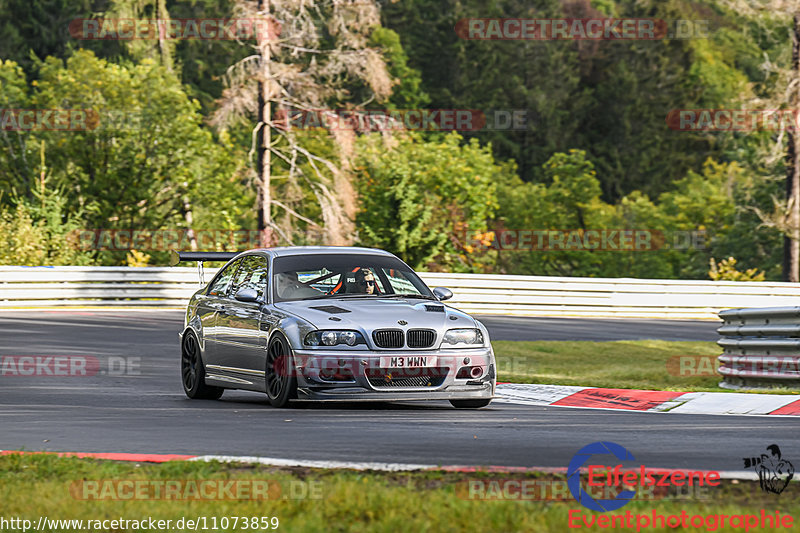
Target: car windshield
(306,277)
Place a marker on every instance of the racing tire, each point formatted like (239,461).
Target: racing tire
(193,373)
(279,376)
(469,404)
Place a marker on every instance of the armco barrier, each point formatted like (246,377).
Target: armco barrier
(475,293)
(761,347)
(128,286)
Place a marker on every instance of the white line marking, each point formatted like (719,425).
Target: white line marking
(405,467)
(272,461)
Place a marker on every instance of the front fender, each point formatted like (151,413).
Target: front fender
(295,330)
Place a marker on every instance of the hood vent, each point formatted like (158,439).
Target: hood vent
(434,308)
(332,309)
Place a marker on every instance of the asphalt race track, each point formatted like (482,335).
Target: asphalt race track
(142,409)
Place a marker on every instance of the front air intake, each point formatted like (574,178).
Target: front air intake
(388,338)
(421,338)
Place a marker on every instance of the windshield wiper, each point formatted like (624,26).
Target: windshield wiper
(360,295)
(354,295)
(420,296)
(393,295)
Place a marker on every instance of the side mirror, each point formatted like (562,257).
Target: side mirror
(442,293)
(247,295)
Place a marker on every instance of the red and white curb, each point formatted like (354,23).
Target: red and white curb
(352,465)
(705,403)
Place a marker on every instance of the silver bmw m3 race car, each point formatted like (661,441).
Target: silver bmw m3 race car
(330,323)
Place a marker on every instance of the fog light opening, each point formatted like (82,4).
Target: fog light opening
(469,372)
(339,374)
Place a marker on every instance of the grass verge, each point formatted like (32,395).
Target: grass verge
(643,364)
(34,486)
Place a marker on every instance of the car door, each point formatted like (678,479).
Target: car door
(242,342)
(209,308)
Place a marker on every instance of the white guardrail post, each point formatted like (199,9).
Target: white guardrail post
(475,293)
(761,347)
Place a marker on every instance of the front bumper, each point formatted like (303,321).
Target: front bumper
(338,375)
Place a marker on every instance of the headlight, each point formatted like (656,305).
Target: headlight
(466,336)
(333,337)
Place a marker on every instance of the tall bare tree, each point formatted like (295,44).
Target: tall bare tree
(791,241)
(786,213)
(308,56)
(263,167)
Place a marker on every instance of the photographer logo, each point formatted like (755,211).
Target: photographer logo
(774,472)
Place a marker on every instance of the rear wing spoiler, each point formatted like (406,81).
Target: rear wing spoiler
(176,257)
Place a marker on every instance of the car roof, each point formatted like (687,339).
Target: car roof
(282,251)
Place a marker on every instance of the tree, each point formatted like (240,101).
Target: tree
(41,28)
(160,49)
(40,231)
(421,199)
(726,270)
(785,94)
(541,78)
(607,98)
(16,158)
(143,155)
(700,217)
(569,200)
(308,57)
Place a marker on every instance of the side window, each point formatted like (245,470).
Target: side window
(252,275)
(220,285)
(399,282)
(241,275)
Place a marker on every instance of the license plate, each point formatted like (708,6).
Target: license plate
(409,361)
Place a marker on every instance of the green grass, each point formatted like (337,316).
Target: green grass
(645,364)
(34,486)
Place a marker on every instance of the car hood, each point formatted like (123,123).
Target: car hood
(373,313)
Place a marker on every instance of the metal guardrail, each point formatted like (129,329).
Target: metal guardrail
(92,286)
(761,347)
(611,297)
(475,293)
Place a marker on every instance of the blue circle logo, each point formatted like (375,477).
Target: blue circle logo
(574,476)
